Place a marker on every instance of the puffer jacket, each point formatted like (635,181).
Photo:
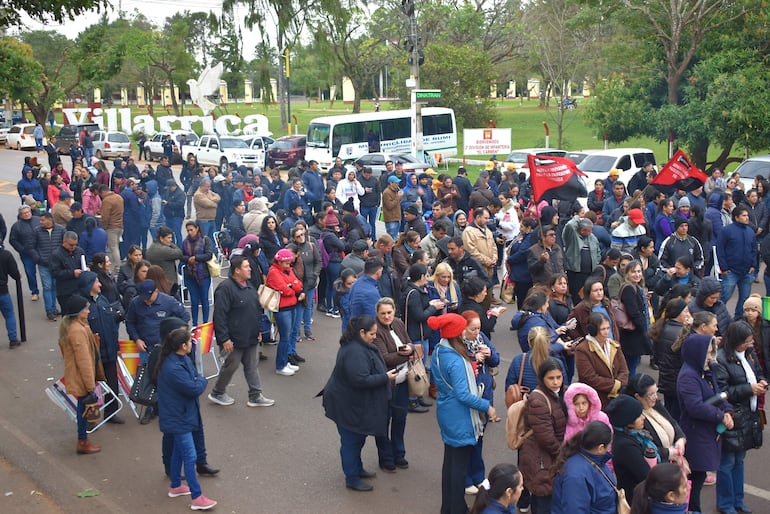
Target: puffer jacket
(252,220)
(45,244)
(23,238)
(709,286)
(732,379)
(179,386)
(574,423)
(285,282)
(547,418)
(417,309)
(669,361)
(580,488)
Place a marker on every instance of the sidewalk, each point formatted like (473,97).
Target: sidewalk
(19,493)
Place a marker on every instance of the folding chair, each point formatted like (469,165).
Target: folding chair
(125,383)
(203,341)
(222,251)
(57,393)
(185,292)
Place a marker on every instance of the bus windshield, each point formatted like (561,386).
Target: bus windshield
(318,135)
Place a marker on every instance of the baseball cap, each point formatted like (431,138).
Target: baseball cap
(393,179)
(134,180)
(146,289)
(636,216)
(614,172)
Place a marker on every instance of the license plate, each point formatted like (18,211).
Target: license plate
(279,162)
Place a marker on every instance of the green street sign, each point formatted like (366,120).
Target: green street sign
(427,95)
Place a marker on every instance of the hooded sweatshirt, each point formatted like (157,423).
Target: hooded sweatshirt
(709,286)
(574,423)
(252,220)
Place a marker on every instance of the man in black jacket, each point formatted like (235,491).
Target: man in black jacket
(66,266)
(465,188)
(23,240)
(48,237)
(236,309)
(8,268)
(173,209)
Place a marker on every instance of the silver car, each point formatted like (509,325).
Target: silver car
(111,144)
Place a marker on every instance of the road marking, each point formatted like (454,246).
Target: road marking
(756,491)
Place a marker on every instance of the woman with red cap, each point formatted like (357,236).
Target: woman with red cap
(459,408)
(282,278)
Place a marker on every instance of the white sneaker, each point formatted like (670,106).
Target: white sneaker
(287,371)
(471,490)
(293,367)
(221,399)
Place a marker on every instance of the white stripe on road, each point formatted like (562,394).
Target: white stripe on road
(756,491)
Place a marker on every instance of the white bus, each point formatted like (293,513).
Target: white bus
(350,136)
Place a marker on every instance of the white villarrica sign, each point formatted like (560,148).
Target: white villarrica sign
(120,119)
(486,141)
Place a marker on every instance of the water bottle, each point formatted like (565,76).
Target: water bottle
(650,456)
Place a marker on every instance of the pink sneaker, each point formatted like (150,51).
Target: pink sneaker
(711,478)
(202,503)
(182,490)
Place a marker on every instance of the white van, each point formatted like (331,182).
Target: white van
(627,160)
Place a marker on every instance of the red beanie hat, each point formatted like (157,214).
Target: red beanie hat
(451,325)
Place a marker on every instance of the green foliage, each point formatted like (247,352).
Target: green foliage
(618,111)
(463,73)
(20,73)
(59,10)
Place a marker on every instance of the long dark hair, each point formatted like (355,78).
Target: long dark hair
(661,480)
(549,364)
(676,305)
(501,478)
(593,435)
(171,344)
(698,319)
(355,326)
(737,333)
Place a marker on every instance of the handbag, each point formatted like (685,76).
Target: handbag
(619,313)
(623,506)
(118,311)
(213,265)
(144,391)
(516,392)
(416,378)
(269,298)
(506,289)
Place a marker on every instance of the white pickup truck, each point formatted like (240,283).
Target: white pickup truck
(213,150)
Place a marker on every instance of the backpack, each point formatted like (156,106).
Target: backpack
(516,429)
(324,254)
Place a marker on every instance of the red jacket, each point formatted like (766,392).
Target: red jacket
(285,282)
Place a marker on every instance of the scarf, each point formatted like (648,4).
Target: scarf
(751,377)
(194,247)
(661,426)
(478,425)
(643,437)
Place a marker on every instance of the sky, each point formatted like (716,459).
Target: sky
(156,11)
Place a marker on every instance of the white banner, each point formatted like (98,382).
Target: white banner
(486,141)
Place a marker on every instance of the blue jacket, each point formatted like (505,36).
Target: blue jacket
(579,488)
(524,321)
(94,243)
(454,397)
(529,377)
(714,215)
(30,187)
(143,321)
(495,507)
(314,186)
(699,420)
(363,295)
(737,248)
(517,258)
(100,318)
(179,386)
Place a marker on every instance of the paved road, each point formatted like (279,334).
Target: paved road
(280,459)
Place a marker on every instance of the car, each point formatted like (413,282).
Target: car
(578,157)
(286,151)
(109,144)
(757,166)
(519,157)
(627,160)
(260,144)
(154,145)
(4,135)
(70,133)
(376,161)
(20,136)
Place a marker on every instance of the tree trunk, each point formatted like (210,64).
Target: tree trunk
(356,100)
(699,153)
(174,103)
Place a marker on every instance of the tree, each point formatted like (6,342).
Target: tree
(228,51)
(20,73)
(58,11)
(263,66)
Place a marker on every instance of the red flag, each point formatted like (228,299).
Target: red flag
(679,173)
(555,177)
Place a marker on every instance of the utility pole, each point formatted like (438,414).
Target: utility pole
(416,58)
(288,92)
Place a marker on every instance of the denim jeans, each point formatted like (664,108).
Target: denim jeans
(184,453)
(284,318)
(167,448)
(88,155)
(175,224)
(38,144)
(208,228)
(6,307)
(246,356)
(199,296)
(730,481)
(476,472)
(306,316)
(296,321)
(351,445)
(332,273)
(393,228)
(30,269)
(370,215)
(81,421)
(633,363)
(392,448)
(453,471)
(729,281)
(49,288)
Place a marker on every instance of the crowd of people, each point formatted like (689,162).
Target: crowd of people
(637,272)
